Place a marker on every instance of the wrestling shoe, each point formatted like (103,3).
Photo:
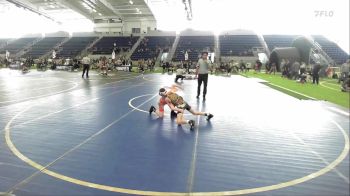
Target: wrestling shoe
(152,109)
(191,123)
(210,116)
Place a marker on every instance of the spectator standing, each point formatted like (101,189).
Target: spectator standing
(164,66)
(130,65)
(302,68)
(258,66)
(273,68)
(315,73)
(344,71)
(242,66)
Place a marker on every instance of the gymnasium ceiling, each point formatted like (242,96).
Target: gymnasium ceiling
(62,10)
(126,10)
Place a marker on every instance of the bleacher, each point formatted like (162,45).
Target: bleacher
(332,49)
(74,46)
(106,44)
(150,47)
(3,42)
(194,45)
(278,41)
(43,46)
(17,45)
(238,45)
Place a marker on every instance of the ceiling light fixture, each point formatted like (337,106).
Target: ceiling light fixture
(131,2)
(188,8)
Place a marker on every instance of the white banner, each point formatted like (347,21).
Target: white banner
(263,58)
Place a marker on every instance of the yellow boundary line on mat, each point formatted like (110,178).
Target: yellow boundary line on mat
(43,169)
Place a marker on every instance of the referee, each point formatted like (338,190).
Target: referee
(86,66)
(202,73)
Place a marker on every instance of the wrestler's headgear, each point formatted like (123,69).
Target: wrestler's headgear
(162,92)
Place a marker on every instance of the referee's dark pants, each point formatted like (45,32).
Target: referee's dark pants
(202,78)
(86,68)
(315,78)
